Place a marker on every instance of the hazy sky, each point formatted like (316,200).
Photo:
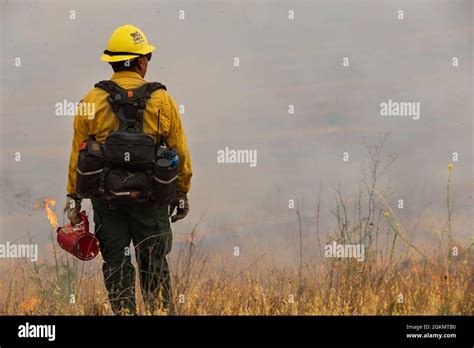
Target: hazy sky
(282,62)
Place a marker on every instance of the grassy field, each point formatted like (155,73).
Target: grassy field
(339,287)
(397,276)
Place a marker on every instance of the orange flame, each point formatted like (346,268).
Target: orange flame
(53,220)
(30,304)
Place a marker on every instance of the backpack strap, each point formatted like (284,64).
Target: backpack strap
(129,105)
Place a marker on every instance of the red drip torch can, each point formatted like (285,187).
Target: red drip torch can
(77,240)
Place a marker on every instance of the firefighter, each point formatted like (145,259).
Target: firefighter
(147,227)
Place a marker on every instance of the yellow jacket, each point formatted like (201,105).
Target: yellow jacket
(104,120)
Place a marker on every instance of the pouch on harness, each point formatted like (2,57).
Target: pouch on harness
(125,168)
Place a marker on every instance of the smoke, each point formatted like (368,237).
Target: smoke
(282,62)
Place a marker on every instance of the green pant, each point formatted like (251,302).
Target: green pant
(149,229)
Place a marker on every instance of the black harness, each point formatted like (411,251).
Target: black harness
(129,105)
(128,168)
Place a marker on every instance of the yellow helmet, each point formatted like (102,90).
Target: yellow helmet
(126,42)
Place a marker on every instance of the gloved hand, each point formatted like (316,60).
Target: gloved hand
(181,204)
(72,209)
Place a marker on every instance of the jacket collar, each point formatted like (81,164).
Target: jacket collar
(126,74)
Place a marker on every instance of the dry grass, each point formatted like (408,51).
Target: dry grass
(396,278)
(340,287)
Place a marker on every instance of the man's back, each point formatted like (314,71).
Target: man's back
(103,121)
